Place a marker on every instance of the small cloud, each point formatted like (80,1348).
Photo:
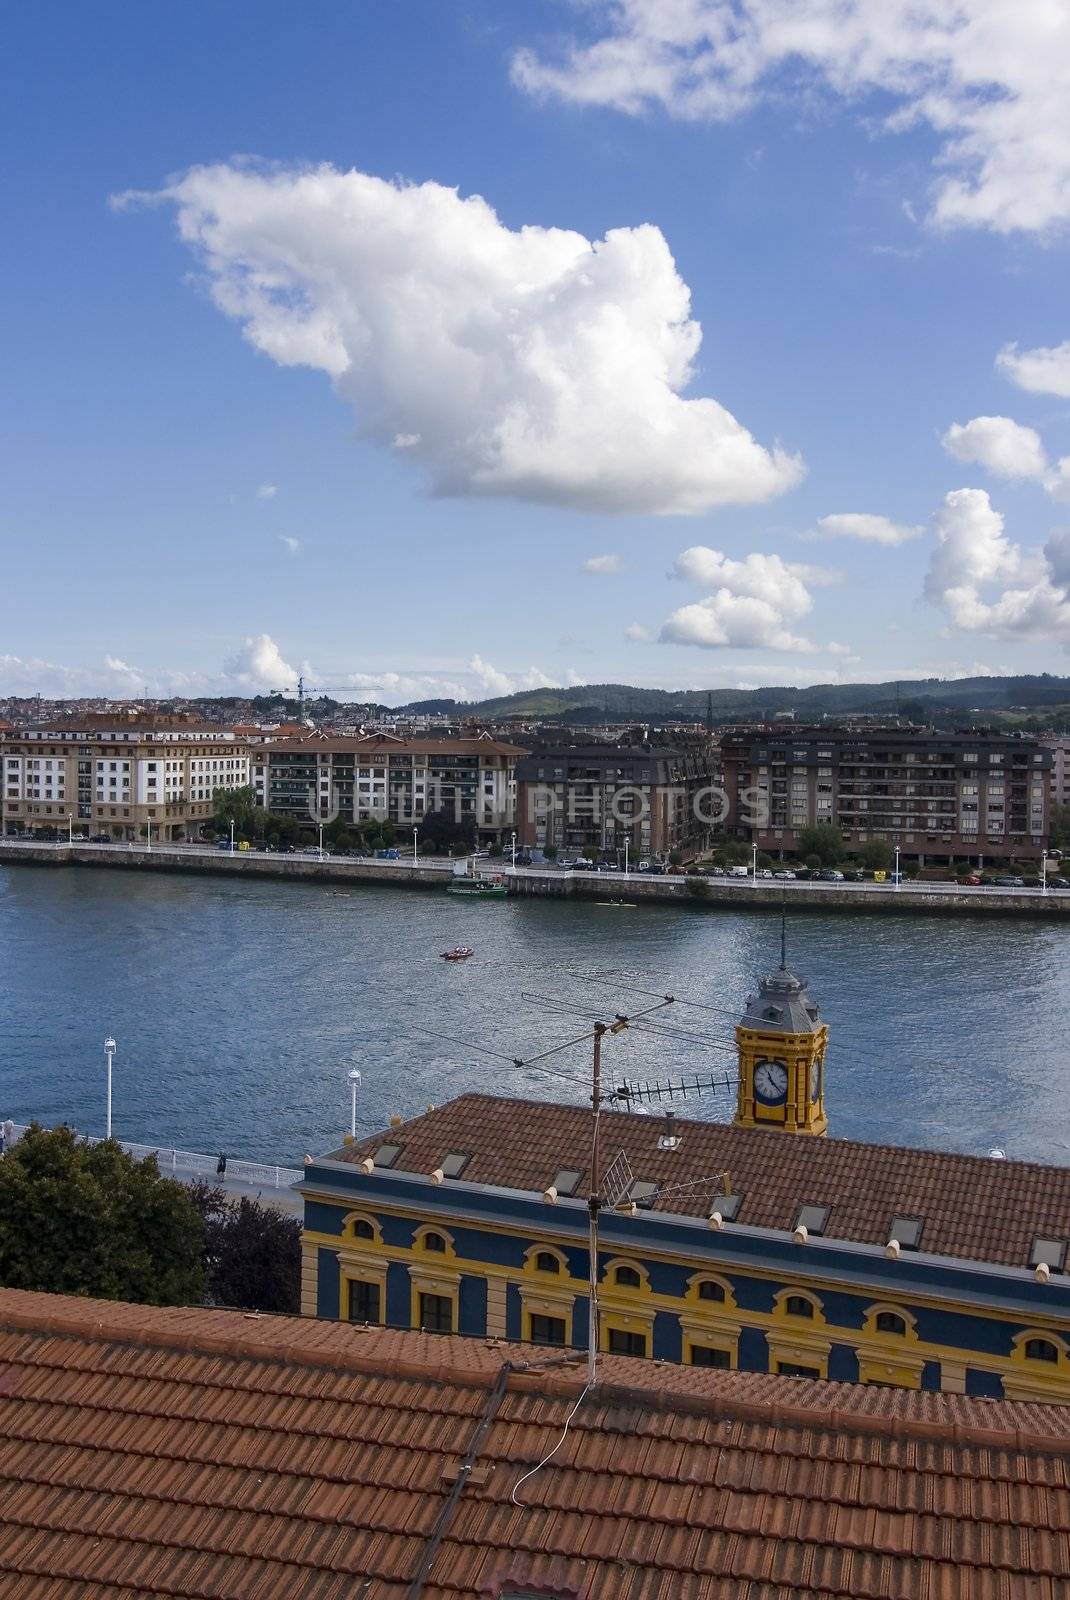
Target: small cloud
(610,563)
(1045,370)
(292,545)
(267,491)
(406,441)
(867,527)
(636,632)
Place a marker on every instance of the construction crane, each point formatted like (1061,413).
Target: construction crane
(304,689)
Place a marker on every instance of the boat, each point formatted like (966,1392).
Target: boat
(471,887)
(460,952)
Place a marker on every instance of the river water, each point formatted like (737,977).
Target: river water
(239,1008)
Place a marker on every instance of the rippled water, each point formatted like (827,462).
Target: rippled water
(240,1007)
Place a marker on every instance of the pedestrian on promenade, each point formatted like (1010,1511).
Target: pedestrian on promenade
(221,1166)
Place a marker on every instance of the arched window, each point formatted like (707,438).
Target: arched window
(710,1289)
(434,1241)
(362,1229)
(546,1262)
(1041,1350)
(627,1278)
(890,1322)
(797,1305)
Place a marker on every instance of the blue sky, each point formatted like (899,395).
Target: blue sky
(296,404)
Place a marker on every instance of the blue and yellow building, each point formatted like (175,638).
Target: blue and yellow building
(724,1245)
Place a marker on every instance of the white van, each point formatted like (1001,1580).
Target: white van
(739,872)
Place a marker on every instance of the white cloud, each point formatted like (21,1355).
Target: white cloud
(534,363)
(636,632)
(1002,446)
(867,527)
(258,666)
(602,564)
(984,583)
(1041,371)
(292,545)
(1009,450)
(752,603)
(990,79)
(267,491)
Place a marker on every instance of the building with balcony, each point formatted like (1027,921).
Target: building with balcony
(593,800)
(937,796)
(389,777)
(118,774)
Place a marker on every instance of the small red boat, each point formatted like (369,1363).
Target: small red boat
(460,952)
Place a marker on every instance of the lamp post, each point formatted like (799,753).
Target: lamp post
(1044,872)
(148,834)
(513,844)
(898,881)
(109,1053)
(625,855)
(321,841)
(354,1085)
(70,827)
(232,835)
(754,865)
(415,832)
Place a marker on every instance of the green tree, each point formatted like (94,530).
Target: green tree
(240,807)
(823,842)
(1059,828)
(252,1253)
(445,830)
(876,856)
(88,1219)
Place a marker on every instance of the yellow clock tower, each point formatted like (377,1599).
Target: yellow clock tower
(781,1041)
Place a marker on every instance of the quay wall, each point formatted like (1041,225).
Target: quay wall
(765,895)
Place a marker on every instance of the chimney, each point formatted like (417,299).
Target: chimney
(669,1139)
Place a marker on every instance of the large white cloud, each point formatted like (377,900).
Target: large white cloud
(1045,370)
(986,584)
(533,363)
(1009,450)
(258,667)
(868,527)
(991,79)
(752,604)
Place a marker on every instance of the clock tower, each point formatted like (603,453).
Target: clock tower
(781,1041)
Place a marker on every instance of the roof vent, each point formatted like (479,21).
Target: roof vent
(670,1139)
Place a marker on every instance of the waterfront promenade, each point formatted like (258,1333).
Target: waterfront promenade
(908,897)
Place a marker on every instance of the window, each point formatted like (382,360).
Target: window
(546,1262)
(797,1305)
(436,1313)
(454,1164)
(907,1230)
(433,1241)
(890,1322)
(728,1205)
(623,1343)
(709,1289)
(1052,1252)
(704,1355)
(643,1193)
(812,1218)
(386,1155)
(364,1301)
(627,1278)
(1041,1350)
(791,1369)
(547,1330)
(567,1181)
(362,1229)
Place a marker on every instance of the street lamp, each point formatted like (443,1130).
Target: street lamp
(754,864)
(354,1085)
(626,843)
(109,1052)
(1044,871)
(232,835)
(415,831)
(148,834)
(898,880)
(70,827)
(513,837)
(321,841)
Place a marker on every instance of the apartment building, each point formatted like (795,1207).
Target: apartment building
(1059,745)
(938,796)
(594,799)
(324,776)
(120,775)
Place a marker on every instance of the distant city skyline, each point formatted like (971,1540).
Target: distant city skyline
(449,350)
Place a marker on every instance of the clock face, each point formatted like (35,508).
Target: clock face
(771,1082)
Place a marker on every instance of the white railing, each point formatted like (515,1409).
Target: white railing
(190,1165)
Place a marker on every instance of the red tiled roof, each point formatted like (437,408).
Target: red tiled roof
(376,744)
(211,1454)
(972,1206)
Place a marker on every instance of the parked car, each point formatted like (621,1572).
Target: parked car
(387,855)
(972,878)
(1010,882)
(716,872)
(739,872)
(829,875)
(100,838)
(1059,883)
(523,858)
(790,875)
